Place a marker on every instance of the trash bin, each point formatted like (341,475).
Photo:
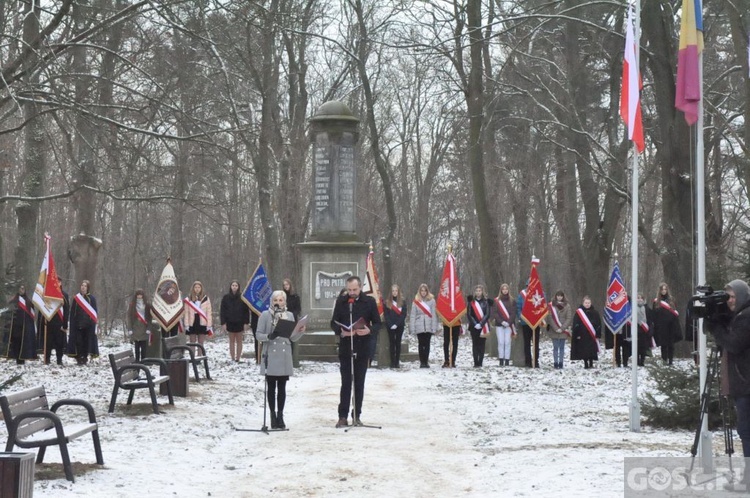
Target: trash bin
(178,377)
(153,348)
(17,474)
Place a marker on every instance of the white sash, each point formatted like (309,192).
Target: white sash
(589,326)
(556,319)
(86,305)
(422,306)
(480,314)
(506,315)
(141,318)
(197,309)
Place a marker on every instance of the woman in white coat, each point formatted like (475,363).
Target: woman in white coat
(423,322)
(276,362)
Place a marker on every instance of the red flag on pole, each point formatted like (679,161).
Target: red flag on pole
(371,285)
(48,296)
(630,97)
(534,305)
(451,305)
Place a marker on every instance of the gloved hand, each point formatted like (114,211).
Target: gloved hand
(478,326)
(393,327)
(130,332)
(504,323)
(148,333)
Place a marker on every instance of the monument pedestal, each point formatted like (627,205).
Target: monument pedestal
(325,268)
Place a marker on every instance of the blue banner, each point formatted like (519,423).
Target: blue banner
(617,310)
(257,293)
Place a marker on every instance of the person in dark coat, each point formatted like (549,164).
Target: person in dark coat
(395,321)
(234,316)
(138,320)
(53,334)
(667,330)
(82,341)
(585,342)
(732,333)
(645,326)
(479,313)
(353,345)
(293,302)
(21,340)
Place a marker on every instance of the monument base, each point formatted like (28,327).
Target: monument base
(325,268)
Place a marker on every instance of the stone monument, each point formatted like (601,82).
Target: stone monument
(334,251)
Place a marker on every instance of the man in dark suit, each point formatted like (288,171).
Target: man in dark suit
(353,345)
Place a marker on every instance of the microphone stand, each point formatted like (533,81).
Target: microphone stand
(355,418)
(264,429)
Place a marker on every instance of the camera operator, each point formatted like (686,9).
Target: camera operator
(732,334)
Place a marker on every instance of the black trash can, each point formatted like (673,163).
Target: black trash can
(178,370)
(17,474)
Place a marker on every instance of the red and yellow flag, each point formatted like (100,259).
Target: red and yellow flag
(451,305)
(48,296)
(688,93)
(371,285)
(534,305)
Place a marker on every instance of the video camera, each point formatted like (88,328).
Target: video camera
(708,303)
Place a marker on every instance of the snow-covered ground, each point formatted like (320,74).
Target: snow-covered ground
(466,431)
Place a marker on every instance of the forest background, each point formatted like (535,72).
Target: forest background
(135,130)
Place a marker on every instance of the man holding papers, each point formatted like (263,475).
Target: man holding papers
(355,316)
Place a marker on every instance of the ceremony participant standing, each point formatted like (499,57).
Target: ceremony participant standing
(667,330)
(234,316)
(276,361)
(293,301)
(354,346)
(504,314)
(644,330)
(52,334)
(197,319)
(559,330)
(587,329)
(82,342)
(423,322)
(395,322)
(479,317)
(21,339)
(138,320)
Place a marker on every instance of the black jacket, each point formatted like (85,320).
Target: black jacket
(294,304)
(234,310)
(582,345)
(392,318)
(733,336)
(486,305)
(363,307)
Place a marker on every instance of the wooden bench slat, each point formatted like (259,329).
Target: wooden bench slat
(71,431)
(32,425)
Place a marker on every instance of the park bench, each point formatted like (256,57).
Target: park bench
(32,423)
(173,349)
(130,375)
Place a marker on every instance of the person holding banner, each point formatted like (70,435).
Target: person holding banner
(52,334)
(234,316)
(423,322)
(82,341)
(138,320)
(479,316)
(504,315)
(276,362)
(198,320)
(21,335)
(559,329)
(354,345)
(587,329)
(667,330)
(395,322)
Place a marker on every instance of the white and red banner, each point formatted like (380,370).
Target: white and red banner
(25,307)
(85,305)
(556,319)
(48,297)
(667,307)
(450,305)
(395,308)
(422,306)
(167,305)
(371,286)
(196,306)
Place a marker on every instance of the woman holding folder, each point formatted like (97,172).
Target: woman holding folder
(275,329)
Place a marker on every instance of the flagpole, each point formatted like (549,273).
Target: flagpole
(700,222)
(635,407)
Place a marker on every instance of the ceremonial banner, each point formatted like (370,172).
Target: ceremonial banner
(257,293)
(450,305)
(617,308)
(534,304)
(371,285)
(48,296)
(167,305)
(688,92)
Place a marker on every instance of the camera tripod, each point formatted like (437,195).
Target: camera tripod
(712,375)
